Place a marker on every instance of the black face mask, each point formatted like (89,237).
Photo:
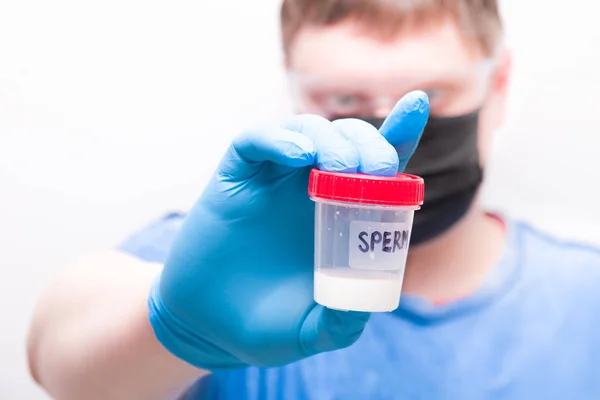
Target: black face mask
(447,158)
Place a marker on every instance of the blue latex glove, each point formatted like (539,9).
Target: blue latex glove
(237,288)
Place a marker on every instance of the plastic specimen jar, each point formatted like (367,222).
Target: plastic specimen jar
(362,233)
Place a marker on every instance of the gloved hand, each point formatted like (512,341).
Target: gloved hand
(237,288)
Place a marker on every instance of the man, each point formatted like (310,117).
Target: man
(490,308)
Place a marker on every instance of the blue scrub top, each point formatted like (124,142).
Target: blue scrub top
(531,332)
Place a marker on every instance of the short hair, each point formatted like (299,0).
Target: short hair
(479,20)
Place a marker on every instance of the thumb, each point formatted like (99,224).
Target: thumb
(404,125)
(327,330)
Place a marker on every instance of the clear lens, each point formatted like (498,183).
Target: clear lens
(450,92)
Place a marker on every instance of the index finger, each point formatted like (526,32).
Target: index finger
(405,123)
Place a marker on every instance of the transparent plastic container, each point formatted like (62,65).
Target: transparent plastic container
(362,234)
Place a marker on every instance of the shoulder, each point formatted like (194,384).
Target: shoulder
(558,267)
(541,247)
(152,242)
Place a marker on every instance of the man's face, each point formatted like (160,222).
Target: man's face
(342,71)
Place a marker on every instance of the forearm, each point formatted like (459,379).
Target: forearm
(91,339)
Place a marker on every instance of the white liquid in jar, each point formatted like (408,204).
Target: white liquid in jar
(348,289)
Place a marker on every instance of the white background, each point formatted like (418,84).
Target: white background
(114,112)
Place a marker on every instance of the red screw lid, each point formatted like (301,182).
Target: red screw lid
(399,190)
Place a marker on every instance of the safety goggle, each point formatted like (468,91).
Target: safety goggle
(449,91)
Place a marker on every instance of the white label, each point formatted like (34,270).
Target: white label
(379,245)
